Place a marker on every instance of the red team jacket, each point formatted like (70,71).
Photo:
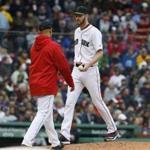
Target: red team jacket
(47,58)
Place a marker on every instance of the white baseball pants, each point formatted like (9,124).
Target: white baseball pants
(91,80)
(44,117)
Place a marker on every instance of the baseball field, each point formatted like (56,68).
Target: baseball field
(119,145)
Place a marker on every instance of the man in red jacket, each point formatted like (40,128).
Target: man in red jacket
(47,58)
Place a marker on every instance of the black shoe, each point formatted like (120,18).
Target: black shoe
(112,136)
(59,147)
(63,140)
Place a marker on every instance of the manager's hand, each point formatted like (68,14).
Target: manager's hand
(72,88)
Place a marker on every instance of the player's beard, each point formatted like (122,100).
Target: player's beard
(82,22)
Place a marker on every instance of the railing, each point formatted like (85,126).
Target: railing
(87,132)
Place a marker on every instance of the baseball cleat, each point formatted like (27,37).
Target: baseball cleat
(59,147)
(26,144)
(112,136)
(64,140)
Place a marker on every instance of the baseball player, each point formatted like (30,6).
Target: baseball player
(88,50)
(47,59)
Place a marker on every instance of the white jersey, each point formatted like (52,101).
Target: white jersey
(87,42)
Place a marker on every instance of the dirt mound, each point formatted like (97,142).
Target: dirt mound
(93,146)
(110,146)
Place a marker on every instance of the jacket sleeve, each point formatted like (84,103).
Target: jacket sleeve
(62,64)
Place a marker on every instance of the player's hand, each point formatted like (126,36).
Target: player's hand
(85,67)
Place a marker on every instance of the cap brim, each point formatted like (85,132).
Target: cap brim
(78,13)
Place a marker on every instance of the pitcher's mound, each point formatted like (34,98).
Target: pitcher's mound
(93,146)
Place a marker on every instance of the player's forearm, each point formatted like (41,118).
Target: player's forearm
(97,56)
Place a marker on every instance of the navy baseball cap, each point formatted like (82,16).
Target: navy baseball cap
(80,10)
(45,25)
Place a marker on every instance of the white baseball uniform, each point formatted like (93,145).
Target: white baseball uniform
(87,42)
(44,117)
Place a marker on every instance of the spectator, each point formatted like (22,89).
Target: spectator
(43,13)
(110,92)
(145,92)
(18,21)
(89,116)
(5,66)
(69,5)
(31,20)
(16,5)
(5,12)
(104,23)
(117,78)
(4,25)
(141,58)
(30,37)
(137,97)
(120,117)
(126,96)
(129,59)
(20,75)
(94,16)
(144,78)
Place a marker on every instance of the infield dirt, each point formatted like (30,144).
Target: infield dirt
(92,146)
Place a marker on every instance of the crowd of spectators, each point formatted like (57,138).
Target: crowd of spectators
(125,67)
